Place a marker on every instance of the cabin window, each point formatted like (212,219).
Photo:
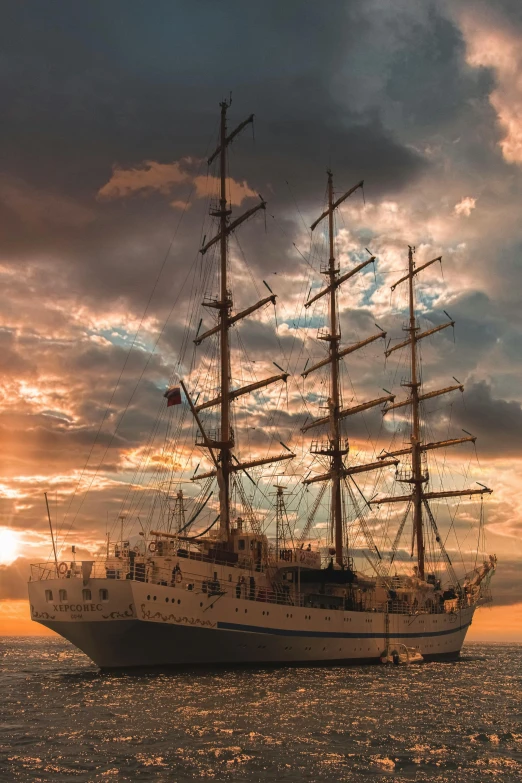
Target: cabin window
(63,595)
(104,595)
(241,543)
(48,595)
(86,594)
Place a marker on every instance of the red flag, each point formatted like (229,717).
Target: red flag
(173,396)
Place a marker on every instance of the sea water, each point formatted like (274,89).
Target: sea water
(62,720)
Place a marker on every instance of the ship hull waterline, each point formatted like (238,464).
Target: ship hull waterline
(145,626)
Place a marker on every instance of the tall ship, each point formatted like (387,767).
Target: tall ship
(244,548)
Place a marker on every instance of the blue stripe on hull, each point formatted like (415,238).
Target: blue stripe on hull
(335,634)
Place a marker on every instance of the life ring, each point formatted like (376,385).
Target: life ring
(152,546)
(63,568)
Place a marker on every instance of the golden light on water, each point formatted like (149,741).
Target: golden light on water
(8,546)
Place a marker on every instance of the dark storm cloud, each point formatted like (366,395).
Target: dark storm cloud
(497,422)
(429,79)
(120,83)
(84,91)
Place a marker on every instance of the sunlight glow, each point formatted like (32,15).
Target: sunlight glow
(8,546)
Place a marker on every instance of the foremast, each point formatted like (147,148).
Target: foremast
(335,449)
(225,462)
(418,478)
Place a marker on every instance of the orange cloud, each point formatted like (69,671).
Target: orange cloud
(151,176)
(148,176)
(465,206)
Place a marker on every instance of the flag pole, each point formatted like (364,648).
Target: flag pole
(51,529)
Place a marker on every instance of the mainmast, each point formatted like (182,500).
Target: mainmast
(416,466)
(419,498)
(335,448)
(226,464)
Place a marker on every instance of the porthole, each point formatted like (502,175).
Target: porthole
(86,594)
(166,600)
(148,597)
(179,600)
(154,598)
(48,595)
(62,595)
(201,604)
(104,595)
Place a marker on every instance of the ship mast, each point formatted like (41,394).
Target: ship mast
(226,464)
(284,535)
(226,436)
(419,498)
(416,467)
(335,396)
(335,449)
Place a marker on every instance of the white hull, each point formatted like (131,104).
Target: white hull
(143,624)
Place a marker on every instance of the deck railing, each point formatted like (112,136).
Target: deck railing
(244,587)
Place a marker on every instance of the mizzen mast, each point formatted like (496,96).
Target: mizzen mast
(418,478)
(336,449)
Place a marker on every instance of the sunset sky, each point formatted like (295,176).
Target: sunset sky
(109,111)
